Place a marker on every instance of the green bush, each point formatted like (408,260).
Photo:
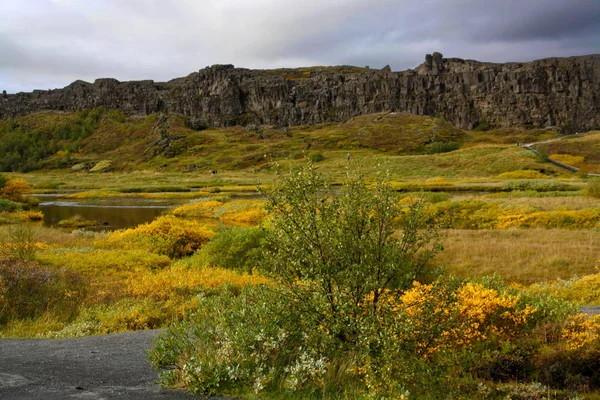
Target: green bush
(542,154)
(592,189)
(538,185)
(10,206)
(345,246)
(235,248)
(316,157)
(248,341)
(442,147)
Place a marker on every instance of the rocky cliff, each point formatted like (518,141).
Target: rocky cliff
(555,92)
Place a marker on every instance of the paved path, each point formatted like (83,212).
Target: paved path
(529,146)
(96,367)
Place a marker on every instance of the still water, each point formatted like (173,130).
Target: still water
(110,214)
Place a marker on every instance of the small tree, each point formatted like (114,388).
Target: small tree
(345,251)
(542,154)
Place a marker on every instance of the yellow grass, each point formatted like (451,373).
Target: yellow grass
(521,255)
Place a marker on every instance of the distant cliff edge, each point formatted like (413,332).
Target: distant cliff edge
(563,93)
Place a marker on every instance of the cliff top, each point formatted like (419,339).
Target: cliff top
(452,65)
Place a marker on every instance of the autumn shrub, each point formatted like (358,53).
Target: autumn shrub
(18,217)
(316,157)
(28,290)
(168,235)
(204,208)
(92,261)
(237,248)
(102,166)
(569,159)
(450,331)
(237,211)
(522,174)
(477,214)
(575,363)
(13,190)
(581,290)
(245,212)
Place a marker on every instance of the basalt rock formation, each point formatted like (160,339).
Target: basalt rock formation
(557,92)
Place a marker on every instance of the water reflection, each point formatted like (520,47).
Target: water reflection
(110,214)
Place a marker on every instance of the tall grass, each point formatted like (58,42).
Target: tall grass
(519,255)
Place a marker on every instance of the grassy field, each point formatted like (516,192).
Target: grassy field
(154,151)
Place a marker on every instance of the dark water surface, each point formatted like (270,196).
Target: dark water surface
(110,214)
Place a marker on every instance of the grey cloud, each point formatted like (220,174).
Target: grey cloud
(47,42)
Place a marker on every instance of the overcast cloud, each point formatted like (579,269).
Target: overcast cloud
(50,43)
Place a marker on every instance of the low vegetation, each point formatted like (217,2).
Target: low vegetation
(373,319)
(430,262)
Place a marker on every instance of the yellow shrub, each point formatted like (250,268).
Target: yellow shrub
(585,290)
(570,219)
(581,330)
(205,209)
(438,181)
(250,212)
(470,314)
(481,215)
(238,211)
(174,237)
(33,216)
(569,159)
(103,262)
(522,174)
(14,189)
(180,279)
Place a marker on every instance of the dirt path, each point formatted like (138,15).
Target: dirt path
(96,367)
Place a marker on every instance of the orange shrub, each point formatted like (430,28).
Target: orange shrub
(472,313)
(14,189)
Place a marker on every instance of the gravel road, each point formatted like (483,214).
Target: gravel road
(96,367)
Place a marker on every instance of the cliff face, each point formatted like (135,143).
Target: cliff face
(557,92)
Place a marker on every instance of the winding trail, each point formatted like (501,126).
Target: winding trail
(96,367)
(530,147)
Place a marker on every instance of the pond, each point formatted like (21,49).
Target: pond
(110,213)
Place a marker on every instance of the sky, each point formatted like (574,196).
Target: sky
(47,44)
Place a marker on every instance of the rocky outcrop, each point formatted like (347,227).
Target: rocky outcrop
(555,92)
